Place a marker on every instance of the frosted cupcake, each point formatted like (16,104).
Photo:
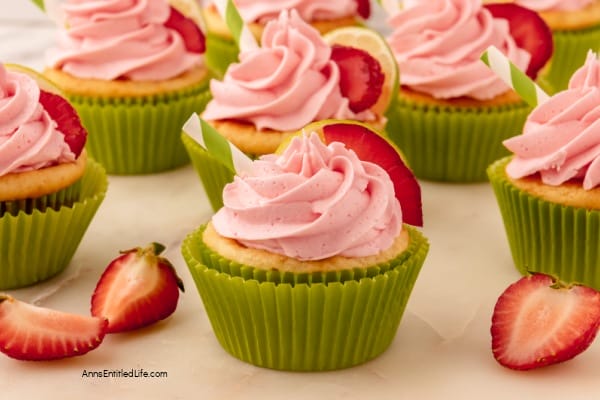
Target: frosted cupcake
(49,189)
(452,112)
(308,266)
(549,190)
(134,71)
(323,15)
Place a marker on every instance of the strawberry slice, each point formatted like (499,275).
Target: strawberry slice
(28,332)
(361,76)
(69,124)
(538,322)
(137,289)
(363,8)
(193,37)
(371,147)
(530,32)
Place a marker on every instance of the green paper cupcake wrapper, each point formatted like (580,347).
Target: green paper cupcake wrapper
(63,197)
(452,144)
(304,326)
(38,245)
(547,237)
(220,53)
(570,50)
(139,135)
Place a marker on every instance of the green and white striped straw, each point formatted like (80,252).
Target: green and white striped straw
(52,9)
(219,147)
(239,29)
(514,77)
(391,7)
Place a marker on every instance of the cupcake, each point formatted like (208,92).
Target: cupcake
(452,112)
(548,191)
(310,263)
(323,15)
(134,71)
(575,26)
(297,77)
(49,188)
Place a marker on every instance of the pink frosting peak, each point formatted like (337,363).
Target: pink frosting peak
(309,10)
(561,137)
(312,202)
(285,84)
(120,39)
(438,44)
(29,139)
(554,5)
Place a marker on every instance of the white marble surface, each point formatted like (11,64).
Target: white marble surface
(442,349)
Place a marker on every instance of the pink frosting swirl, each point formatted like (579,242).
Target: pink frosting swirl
(29,139)
(554,5)
(438,44)
(312,202)
(285,84)
(309,10)
(118,39)
(561,137)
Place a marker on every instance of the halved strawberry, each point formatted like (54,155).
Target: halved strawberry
(69,124)
(190,32)
(538,322)
(28,332)
(137,289)
(529,31)
(361,77)
(369,146)
(363,8)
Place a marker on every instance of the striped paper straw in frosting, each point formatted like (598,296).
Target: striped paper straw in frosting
(239,29)
(514,77)
(391,7)
(219,147)
(52,9)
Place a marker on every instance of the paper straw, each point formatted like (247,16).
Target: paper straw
(52,9)
(239,29)
(219,147)
(514,77)
(391,7)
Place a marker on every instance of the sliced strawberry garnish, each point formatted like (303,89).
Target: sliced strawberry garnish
(137,289)
(529,31)
(28,332)
(190,32)
(538,322)
(369,146)
(363,8)
(361,77)
(69,124)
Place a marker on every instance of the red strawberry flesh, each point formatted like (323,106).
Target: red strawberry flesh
(363,8)
(361,77)
(529,31)
(535,324)
(193,37)
(371,147)
(67,120)
(32,333)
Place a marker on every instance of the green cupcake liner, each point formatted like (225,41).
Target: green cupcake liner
(63,197)
(547,237)
(220,52)
(452,144)
(38,245)
(139,135)
(570,50)
(304,326)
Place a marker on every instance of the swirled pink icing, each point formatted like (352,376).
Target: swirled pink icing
(561,137)
(29,139)
(554,5)
(285,84)
(120,39)
(312,202)
(438,44)
(309,10)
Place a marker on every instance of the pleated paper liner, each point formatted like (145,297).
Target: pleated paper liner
(38,245)
(220,53)
(570,50)
(63,197)
(452,144)
(547,237)
(139,135)
(300,323)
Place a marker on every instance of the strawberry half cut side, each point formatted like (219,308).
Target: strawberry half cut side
(371,147)
(530,32)
(137,289)
(192,35)
(361,76)
(67,120)
(32,333)
(539,322)
(363,7)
